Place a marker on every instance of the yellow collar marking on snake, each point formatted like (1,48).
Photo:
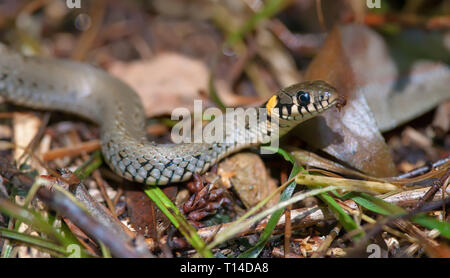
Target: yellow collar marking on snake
(271,103)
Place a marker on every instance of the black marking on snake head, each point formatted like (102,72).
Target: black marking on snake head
(315,106)
(307,109)
(289,109)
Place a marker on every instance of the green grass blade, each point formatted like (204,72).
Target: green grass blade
(32,240)
(89,166)
(31,218)
(346,221)
(374,204)
(178,220)
(432,223)
(271,8)
(271,224)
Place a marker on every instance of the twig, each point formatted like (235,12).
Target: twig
(327,242)
(287,230)
(305,217)
(424,169)
(71,151)
(88,38)
(399,219)
(64,206)
(287,217)
(33,143)
(436,185)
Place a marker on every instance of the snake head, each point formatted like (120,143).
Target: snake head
(303,100)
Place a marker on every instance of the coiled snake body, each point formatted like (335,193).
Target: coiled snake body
(84,90)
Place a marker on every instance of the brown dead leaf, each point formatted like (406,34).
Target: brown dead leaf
(164,83)
(171,80)
(394,96)
(247,173)
(145,217)
(351,135)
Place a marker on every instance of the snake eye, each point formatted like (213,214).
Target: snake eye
(303,98)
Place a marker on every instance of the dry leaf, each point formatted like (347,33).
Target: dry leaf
(145,217)
(247,173)
(164,83)
(170,81)
(351,135)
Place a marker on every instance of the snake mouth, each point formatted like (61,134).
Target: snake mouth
(340,102)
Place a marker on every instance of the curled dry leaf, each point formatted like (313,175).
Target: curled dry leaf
(247,173)
(351,135)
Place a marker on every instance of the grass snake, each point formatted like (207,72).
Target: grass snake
(84,90)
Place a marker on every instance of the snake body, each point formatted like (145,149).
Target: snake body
(82,89)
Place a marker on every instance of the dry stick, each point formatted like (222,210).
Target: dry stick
(424,169)
(64,206)
(71,151)
(327,242)
(287,227)
(427,243)
(89,225)
(305,217)
(398,220)
(304,157)
(87,39)
(287,230)
(435,186)
(98,178)
(117,196)
(101,213)
(413,248)
(101,185)
(33,143)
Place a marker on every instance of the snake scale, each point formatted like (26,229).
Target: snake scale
(84,90)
